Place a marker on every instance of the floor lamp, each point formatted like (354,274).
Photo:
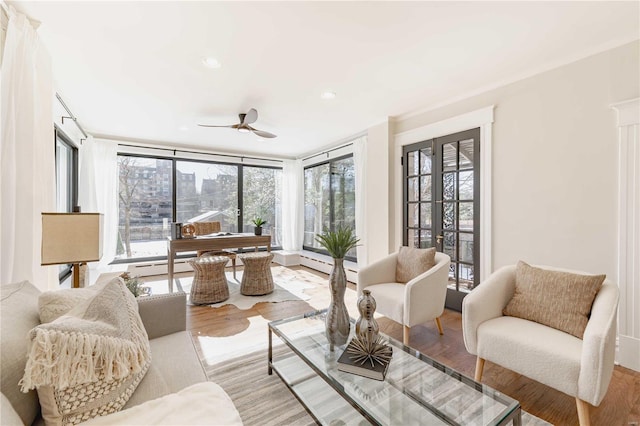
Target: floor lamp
(74,238)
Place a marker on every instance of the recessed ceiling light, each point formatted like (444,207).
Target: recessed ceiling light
(328,95)
(211,62)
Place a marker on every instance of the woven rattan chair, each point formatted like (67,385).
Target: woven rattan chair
(256,279)
(205,228)
(209,281)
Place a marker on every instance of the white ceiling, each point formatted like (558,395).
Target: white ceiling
(132,70)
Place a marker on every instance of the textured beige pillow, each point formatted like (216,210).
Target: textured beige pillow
(561,300)
(88,362)
(413,262)
(54,304)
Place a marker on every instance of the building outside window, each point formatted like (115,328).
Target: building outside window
(329,200)
(205,191)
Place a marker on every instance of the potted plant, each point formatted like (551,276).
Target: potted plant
(134,284)
(258,222)
(337,243)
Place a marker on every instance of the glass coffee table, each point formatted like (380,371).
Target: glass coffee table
(416,390)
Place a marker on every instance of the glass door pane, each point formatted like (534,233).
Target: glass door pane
(261,195)
(418,190)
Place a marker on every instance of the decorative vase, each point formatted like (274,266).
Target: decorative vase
(366,326)
(257,230)
(337,321)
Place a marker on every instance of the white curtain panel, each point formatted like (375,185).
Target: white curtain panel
(359,162)
(292,208)
(98,190)
(27,155)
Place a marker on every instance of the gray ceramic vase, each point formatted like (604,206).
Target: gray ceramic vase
(367,327)
(337,320)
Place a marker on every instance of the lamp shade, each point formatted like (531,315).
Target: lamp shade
(71,238)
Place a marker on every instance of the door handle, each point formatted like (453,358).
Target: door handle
(439,239)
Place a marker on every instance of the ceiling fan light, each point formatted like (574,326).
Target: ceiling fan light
(243,130)
(211,62)
(328,95)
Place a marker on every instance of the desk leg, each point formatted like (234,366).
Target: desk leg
(170,258)
(270,362)
(269,247)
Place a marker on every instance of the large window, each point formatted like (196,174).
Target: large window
(66,183)
(329,200)
(207,192)
(66,174)
(157,191)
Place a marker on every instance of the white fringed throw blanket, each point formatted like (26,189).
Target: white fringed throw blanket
(88,362)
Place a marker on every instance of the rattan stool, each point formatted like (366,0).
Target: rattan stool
(209,281)
(256,279)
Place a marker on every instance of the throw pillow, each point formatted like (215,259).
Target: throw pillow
(558,299)
(54,304)
(412,262)
(88,362)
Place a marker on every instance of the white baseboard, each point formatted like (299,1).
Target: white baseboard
(158,268)
(629,352)
(286,258)
(323,263)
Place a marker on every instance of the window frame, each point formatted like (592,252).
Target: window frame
(174,160)
(329,161)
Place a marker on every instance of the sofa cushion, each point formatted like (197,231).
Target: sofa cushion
(88,362)
(412,262)
(200,404)
(389,299)
(533,350)
(19,310)
(558,299)
(175,366)
(8,415)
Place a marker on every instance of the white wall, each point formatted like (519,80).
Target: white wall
(554,161)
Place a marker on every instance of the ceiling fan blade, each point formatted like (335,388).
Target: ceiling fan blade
(264,134)
(211,125)
(250,117)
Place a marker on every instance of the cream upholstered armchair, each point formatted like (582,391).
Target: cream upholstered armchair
(417,301)
(581,368)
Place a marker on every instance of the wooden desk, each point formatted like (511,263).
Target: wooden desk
(211,243)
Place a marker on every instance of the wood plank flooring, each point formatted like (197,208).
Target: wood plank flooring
(621,405)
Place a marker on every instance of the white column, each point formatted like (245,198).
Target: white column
(629,232)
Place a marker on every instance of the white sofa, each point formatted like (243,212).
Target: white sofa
(581,368)
(175,364)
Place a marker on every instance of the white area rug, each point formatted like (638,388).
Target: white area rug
(285,290)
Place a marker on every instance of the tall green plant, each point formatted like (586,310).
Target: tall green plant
(338,242)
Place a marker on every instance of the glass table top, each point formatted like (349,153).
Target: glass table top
(416,390)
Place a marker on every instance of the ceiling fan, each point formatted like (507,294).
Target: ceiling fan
(243,127)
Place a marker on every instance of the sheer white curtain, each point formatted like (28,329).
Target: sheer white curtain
(98,190)
(292,209)
(359,163)
(27,154)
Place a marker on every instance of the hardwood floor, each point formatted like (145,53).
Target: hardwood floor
(621,405)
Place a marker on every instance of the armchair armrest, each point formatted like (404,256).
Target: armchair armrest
(163,314)
(382,271)
(424,296)
(599,346)
(486,302)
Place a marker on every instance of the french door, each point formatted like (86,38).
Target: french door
(442,205)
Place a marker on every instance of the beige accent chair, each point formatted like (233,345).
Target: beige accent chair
(205,228)
(579,368)
(418,301)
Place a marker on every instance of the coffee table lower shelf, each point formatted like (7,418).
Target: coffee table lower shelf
(321,401)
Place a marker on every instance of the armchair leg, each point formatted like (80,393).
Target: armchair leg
(439,326)
(583,412)
(479,368)
(405,335)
